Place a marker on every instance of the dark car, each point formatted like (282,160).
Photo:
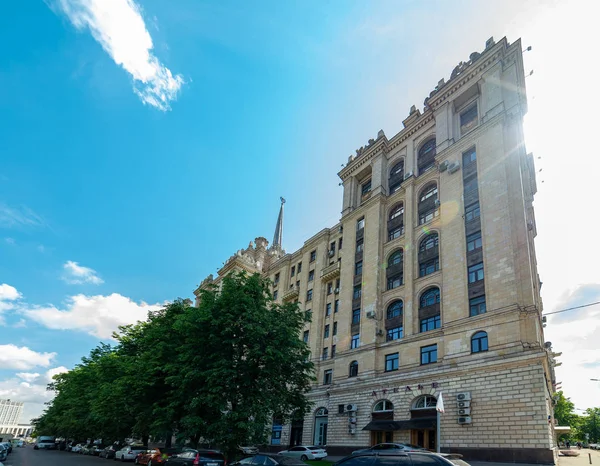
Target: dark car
(96,449)
(111,451)
(269,459)
(197,458)
(390,447)
(399,458)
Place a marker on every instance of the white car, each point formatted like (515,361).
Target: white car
(305,453)
(77,448)
(129,452)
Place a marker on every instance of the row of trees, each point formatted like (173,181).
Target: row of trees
(585,427)
(214,374)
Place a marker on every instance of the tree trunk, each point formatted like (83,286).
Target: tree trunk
(169,439)
(145,438)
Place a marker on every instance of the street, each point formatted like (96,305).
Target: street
(29,457)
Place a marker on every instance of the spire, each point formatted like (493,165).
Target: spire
(278,237)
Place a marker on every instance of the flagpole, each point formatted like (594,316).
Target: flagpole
(438,432)
(439,409)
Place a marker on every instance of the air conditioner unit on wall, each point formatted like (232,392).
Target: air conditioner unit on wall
(443,166)
(407,175)
(336,291)
(331,253)
(464,420)
(350,408)
(352,431)
(371,314)
(464,411)
(453,167)
(463,404)
(463,396)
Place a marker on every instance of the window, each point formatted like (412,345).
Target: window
(396,258)
(426,156)
(334,328)
(477,306)
(469,157)
(336,306)
(299,268)
(308,315)
(429,242)
(332,247)
(429,354)
(337,285)
(430,297)
(474,241)
(293,272)
(471,185)
(275,294)
(479,342)
(356,316)
(428,267)
(396,177)
(358,268)
(329,288)
(326,332)
(333,351)
(309,294)
(394,333)
(395,233)
(313,256)
(391,362)
(327,309)
(353,369)
(359,245)
(472,212)
(357,292)
(311,275)
(325,353)
(360,224)
(383,406)
(430,211)
(340,244)
(355,342)
(476,273)
(425,402)
(468,119)
(394,282)
(305,336)
(431,323)
(276,280)
(366,187)
(397,211)
(341,409)
(395,309)
(328,377)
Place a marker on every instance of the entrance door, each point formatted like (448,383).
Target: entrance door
(381,436)
(296,433)
(424,438)
(320,431)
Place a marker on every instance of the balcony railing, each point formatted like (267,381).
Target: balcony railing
(292,293)
(331,271)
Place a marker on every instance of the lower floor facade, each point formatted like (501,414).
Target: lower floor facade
(498,410)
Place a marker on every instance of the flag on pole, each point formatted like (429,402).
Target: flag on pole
(439,406)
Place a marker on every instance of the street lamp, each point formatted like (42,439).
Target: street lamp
(595,380)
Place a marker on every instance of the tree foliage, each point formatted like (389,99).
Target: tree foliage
(215,374)
(584,427)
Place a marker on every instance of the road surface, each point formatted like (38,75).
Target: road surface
(29,457)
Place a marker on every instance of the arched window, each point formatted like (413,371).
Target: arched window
(426,156)
(425,402)
(429,309)
(321,412)
(396,176)
(428,203)
(396,222)
(353,369)
(479,342)
(429,256)
(383,406)
(395,309)
(395,270)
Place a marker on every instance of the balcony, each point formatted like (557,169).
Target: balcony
(331,271)
(292,293)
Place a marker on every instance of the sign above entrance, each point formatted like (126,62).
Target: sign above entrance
(407,388)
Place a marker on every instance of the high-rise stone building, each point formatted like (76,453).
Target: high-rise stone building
(429,282)
(10,412)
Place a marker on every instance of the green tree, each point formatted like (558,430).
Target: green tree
(590,424)
(564,409)
(243,362)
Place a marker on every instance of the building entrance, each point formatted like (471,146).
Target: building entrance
(381,436)
(424,438)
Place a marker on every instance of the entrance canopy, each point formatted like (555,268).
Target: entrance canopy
(423,423)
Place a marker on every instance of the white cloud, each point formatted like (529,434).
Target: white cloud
(8,296)
(120,29)
(18,217)
(23,358)
(76,274)
(96,315)
(20,324)
(30,388)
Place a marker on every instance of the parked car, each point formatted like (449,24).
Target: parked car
(248,450)
(87,449)
(111,451)
(96,449)
(382,458)
(8,446)
(157,455)
(398,447)
(305,453)
(130,452)
(269,459)
(3,452)
(197,458)
(76,448)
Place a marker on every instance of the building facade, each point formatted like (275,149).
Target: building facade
(429,282)
(10,412)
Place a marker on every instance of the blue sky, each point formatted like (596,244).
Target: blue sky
(111,197)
